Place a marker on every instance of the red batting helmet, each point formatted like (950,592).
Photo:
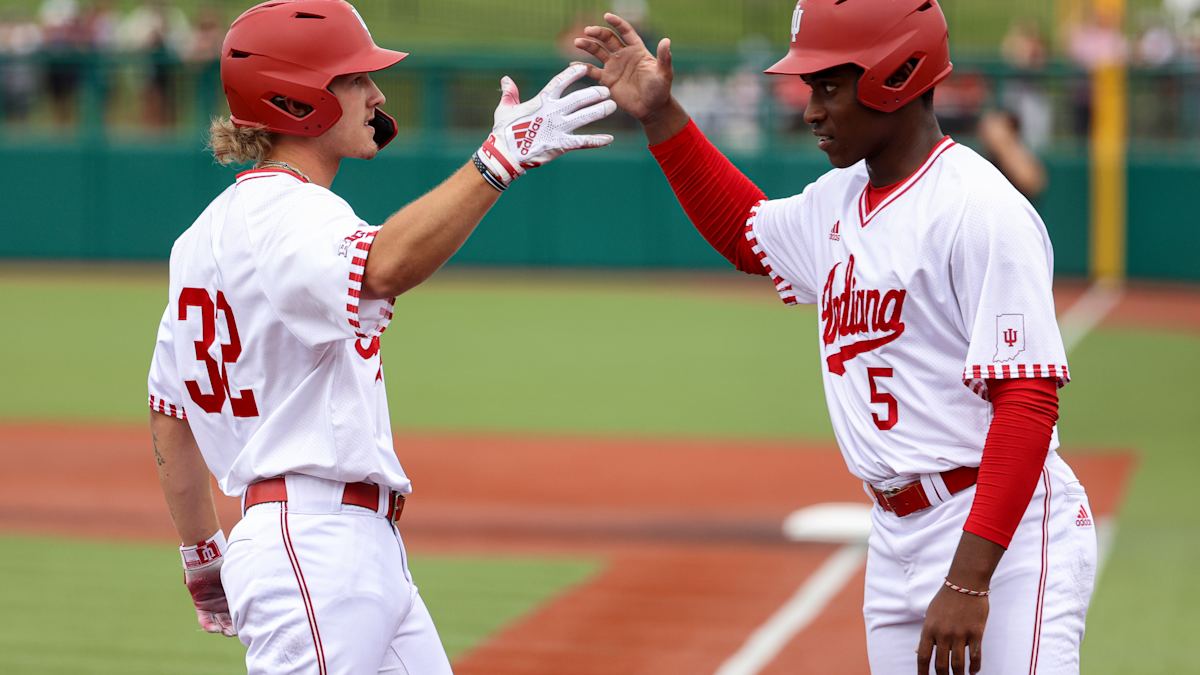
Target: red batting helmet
(295,48)
(879,36)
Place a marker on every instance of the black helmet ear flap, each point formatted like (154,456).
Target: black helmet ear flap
(385,128)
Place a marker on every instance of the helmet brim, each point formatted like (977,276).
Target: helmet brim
(795,64)
(372,61)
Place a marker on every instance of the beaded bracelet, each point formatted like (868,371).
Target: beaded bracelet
(966,591)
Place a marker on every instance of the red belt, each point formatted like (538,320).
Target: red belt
(911,498)
(365,495)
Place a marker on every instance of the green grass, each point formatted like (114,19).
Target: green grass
(552,357)
(588,360)
(1135,389)
(100,607)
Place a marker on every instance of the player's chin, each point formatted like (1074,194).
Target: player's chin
(840,159)
(366,150)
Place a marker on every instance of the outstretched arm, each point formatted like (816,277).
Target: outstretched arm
(184,478)
(717,197)
(416,241)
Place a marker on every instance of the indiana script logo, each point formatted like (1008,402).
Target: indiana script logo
(857,312)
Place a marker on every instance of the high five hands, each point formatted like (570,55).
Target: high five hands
(640,82)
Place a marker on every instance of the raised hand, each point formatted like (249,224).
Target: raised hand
(640,82)
(529,134)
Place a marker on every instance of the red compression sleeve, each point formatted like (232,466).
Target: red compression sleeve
(714,194)
(1024,413)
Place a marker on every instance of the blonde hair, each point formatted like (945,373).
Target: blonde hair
(231,144)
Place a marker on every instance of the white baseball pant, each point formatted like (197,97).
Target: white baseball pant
(1040,591)
(322,588)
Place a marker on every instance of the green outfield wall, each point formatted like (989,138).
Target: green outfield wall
(106,187)
(610,208)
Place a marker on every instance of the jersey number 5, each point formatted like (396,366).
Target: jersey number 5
(893,407)
(218,375)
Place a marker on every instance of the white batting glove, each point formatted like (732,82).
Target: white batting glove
(202,576)
(529,134)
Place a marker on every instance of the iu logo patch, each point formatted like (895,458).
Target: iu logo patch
(796,17)
(1010,337)
(1082,519)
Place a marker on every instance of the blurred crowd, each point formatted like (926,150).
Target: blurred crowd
(1032,88)
(54,44)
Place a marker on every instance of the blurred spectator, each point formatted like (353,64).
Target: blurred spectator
(743,96)
(565,41)
(99,26)
(791,96)
(1156,46)
(65,41)
(20,37)
(205,43)
(1093,43)
(1000,136)
(1182,10)
(701,94)
(1189,42)
(163,34)
(203,58)
(1025,50)
(637,12)
(959,101)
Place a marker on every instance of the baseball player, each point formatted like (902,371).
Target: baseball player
(267,368)
(930,273)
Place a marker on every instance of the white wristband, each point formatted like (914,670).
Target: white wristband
(205,553)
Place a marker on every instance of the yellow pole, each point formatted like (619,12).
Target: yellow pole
(1108,152)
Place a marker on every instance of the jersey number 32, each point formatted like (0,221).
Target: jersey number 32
(243,403)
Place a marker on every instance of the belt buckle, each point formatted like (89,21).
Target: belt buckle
(887,495)
(395,506)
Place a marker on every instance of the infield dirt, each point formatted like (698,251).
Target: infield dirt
(690,532)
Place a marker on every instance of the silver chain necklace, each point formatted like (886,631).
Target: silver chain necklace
(276,164)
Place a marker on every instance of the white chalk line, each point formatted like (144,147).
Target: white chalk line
(1087,313)
(807,604)
(810,600)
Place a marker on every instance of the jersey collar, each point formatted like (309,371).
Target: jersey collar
(266,173)
(866,215)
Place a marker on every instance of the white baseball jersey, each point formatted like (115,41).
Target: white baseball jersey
(945,282)
(266,347)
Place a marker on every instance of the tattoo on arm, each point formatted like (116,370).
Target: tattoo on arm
(158,458)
